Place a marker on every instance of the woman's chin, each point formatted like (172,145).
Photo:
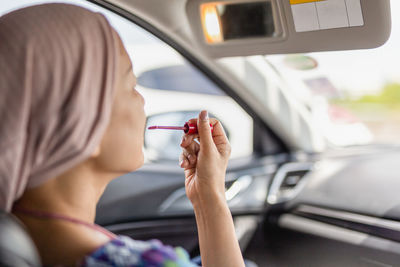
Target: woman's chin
(137,163)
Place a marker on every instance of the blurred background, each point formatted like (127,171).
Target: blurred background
(354,96)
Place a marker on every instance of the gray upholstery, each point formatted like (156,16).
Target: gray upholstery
(16,246)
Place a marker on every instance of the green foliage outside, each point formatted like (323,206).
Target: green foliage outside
(388,99)
(380,112)
(389,96)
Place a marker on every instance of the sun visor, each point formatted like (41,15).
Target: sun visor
(252,27)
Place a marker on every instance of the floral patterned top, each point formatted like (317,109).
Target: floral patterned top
(123,251)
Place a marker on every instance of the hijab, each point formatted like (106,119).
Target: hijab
(58,65)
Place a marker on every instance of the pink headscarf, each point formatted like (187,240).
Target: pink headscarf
(58,66)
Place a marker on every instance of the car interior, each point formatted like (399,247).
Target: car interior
(294,201)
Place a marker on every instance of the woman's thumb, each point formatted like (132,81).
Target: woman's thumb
(204,129)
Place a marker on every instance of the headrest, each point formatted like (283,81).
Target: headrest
(16,246)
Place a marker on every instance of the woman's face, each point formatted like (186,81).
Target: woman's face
(121,146)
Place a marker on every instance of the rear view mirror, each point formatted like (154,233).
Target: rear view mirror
(300,62)
(250,27)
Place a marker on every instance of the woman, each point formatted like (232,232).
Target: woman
(72,122)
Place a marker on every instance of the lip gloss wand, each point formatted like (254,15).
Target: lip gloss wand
(188,128)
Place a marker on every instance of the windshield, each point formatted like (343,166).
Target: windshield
(352,97)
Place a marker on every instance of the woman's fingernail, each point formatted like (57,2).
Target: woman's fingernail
(204,115)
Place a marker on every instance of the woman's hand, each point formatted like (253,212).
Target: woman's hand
(205,163)
(205,166)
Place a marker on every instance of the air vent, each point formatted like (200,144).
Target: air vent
(288,182)
(292,179)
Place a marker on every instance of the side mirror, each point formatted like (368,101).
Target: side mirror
(163,145)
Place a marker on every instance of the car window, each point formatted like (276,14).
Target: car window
(174,90)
